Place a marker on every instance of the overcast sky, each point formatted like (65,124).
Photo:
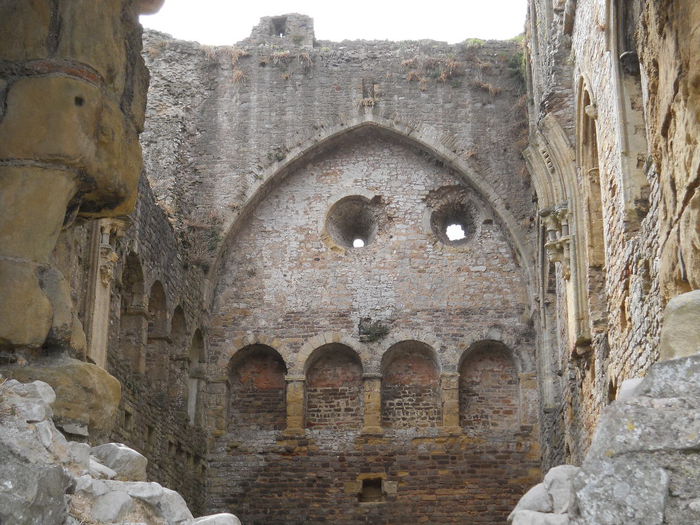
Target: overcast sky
(221,22)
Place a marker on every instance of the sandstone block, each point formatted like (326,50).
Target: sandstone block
(126,462)
(24,29)
(93,33)
(69,121)
(690,233)
(25,194)
(57,289)
(25,312)
(680,334)
(85,394)
(149,7)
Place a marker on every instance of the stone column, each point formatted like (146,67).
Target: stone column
(373,404)
(217,405)
(98,309)
(449,388)
(72,102)
(295,405)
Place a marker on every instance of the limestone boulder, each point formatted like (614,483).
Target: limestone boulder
(536,499)
(30,401)
(217,519)
(100,471)
(112,506)
(126,462)
(31,493)
(629,388)
(680,335)
(559,485)
(623,490)
(530,517)
(678,378)
(173,508)
(643,425)
(85,394)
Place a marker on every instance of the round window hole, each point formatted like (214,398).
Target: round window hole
(455,232)
(352,222)
(453,222)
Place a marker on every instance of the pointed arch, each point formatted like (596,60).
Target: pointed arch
(423,139)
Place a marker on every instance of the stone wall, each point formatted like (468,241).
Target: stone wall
(424,478)
(616,213)
(371,339)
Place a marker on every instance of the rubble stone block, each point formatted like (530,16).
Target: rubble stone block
(85,394)
(126,462)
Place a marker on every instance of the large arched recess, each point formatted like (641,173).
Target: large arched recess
(424,140)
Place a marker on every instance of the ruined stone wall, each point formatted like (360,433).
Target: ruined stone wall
(612,80)
(270,158)
(408,305)
(153,416)
(223,121)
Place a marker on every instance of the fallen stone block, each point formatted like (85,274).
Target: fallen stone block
(126,462)
(530,517)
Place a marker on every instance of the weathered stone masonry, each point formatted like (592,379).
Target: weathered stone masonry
(268,367)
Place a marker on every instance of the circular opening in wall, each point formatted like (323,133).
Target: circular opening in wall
(453,223)
(353,221)
(455,232)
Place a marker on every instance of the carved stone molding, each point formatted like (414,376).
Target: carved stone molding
(558,242)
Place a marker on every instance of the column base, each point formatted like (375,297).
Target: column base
(451,431)
(294,433)
(372,431)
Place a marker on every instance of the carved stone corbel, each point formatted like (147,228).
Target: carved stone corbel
(558,242)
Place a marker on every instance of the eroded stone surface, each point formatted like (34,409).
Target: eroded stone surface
(680,336)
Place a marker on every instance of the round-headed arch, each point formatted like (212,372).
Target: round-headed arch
(422,137)
(424,353)
(257,388)
(341,351)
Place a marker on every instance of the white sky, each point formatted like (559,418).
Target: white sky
(225,22)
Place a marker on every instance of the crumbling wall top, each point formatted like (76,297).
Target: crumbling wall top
(285,30)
